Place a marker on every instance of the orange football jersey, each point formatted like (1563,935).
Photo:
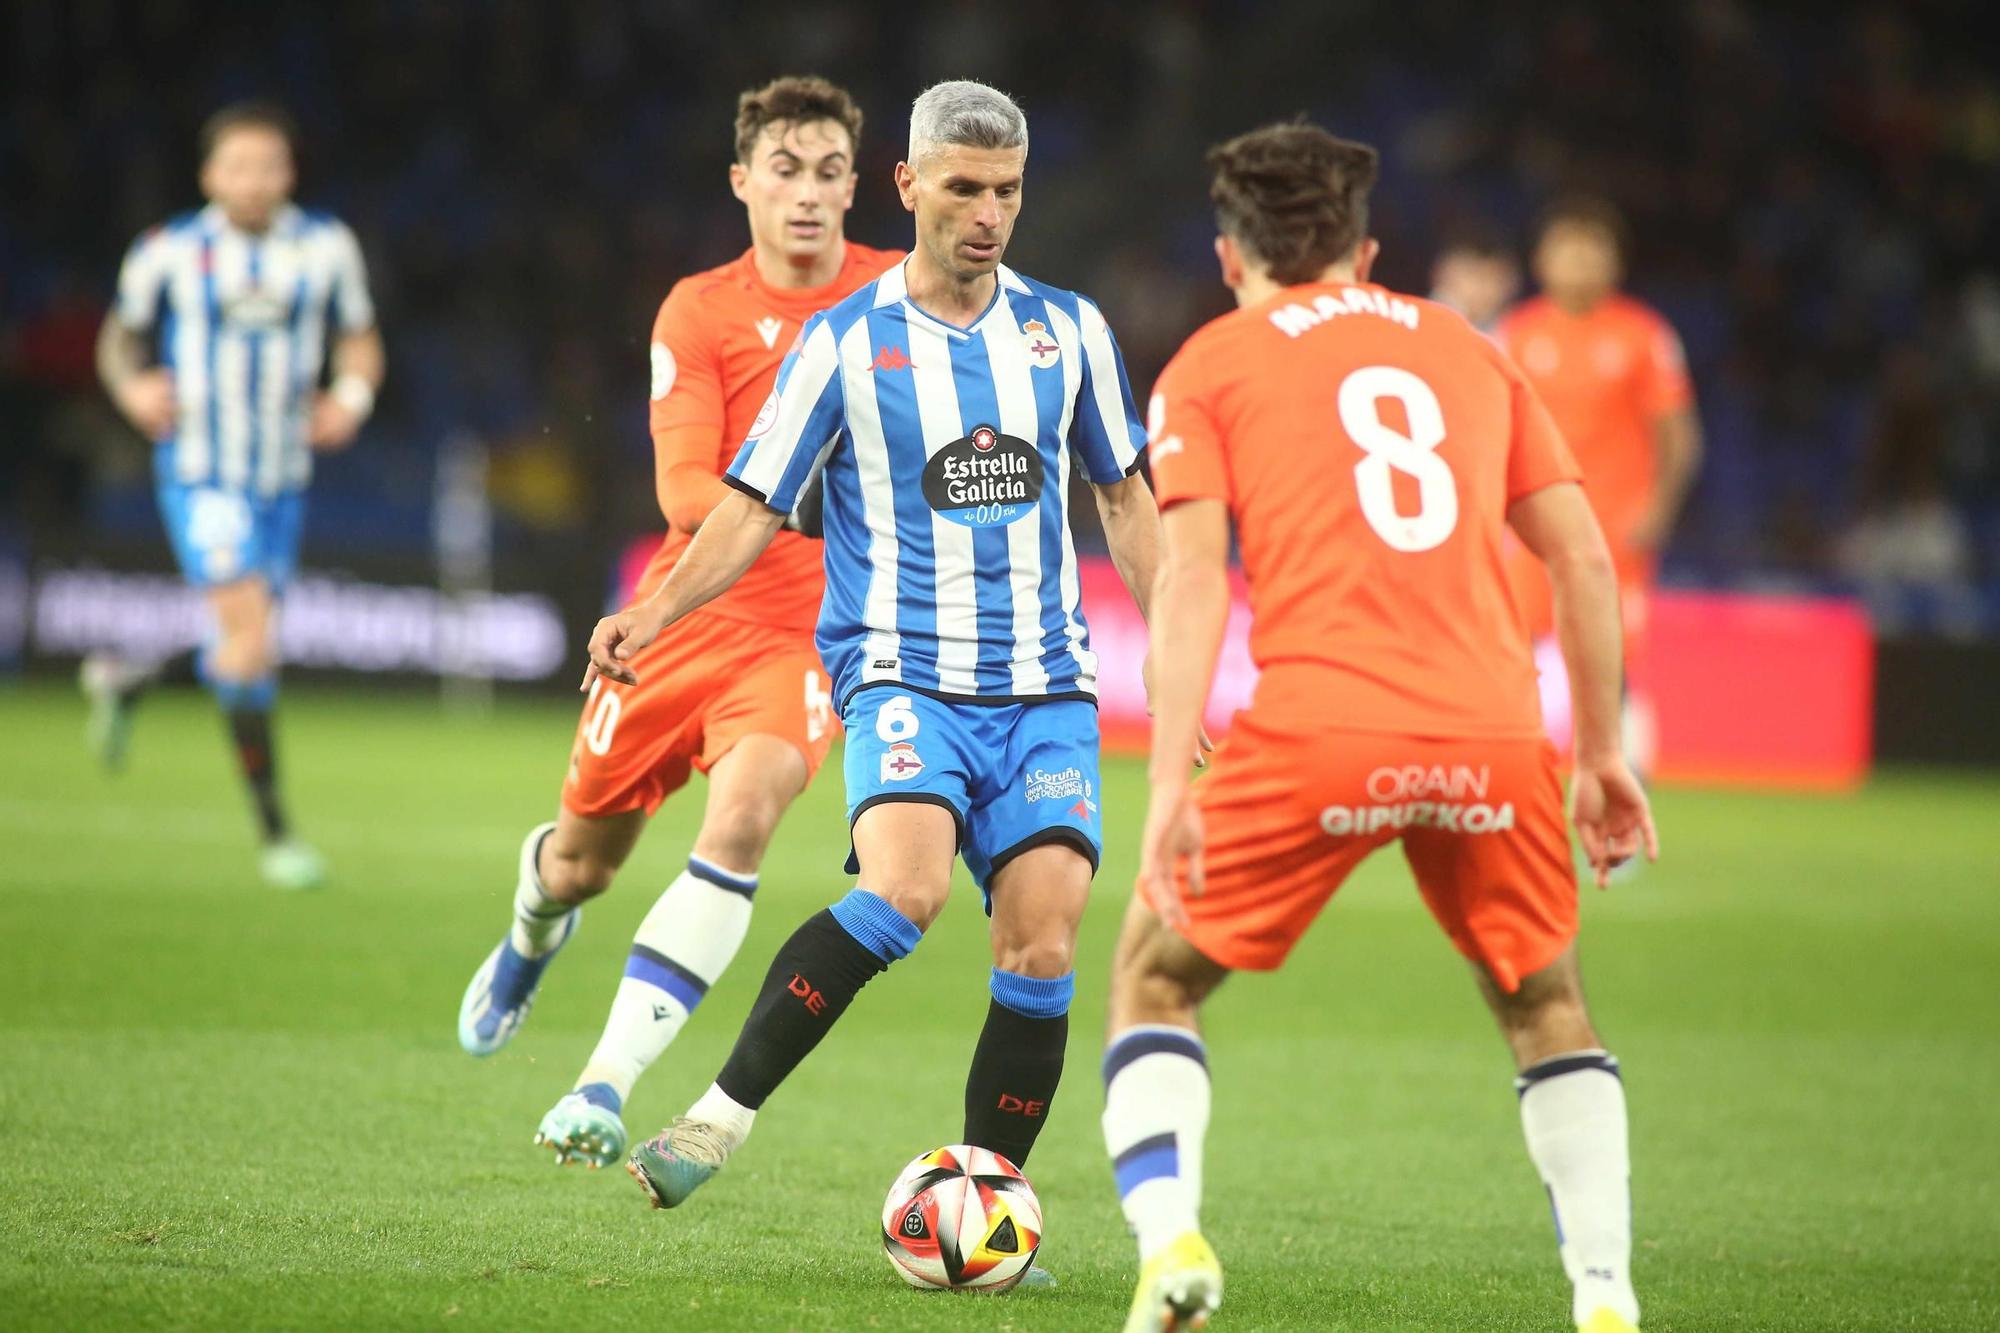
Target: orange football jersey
(1367,445)
(1607,377)
(717,345)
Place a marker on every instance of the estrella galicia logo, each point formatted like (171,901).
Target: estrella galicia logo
(986,480)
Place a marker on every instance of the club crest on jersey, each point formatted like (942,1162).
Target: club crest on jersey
(767,416)
(986,480)
(900,762)
(768,328)
(663,371)
(1043,350)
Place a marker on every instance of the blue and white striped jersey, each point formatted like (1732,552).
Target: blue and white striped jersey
(242,320)
(947,455)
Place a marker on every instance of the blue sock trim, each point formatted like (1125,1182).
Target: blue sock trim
(1558,1065)
(727,880)
(875,925)
(1148,1159)
(1034,997)
(604,1095)
(238,696)
(664,974)
(1137,1043)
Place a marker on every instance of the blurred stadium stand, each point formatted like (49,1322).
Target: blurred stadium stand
(1815,199)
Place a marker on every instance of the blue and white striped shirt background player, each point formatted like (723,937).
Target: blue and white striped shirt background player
(953,623)
(243,320)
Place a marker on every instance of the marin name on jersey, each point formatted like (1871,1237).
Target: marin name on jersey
(985,479)
(1297,317)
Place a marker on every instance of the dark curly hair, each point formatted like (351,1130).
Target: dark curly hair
(1293,195)
(794,100)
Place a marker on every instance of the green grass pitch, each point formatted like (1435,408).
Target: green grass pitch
(225,1107)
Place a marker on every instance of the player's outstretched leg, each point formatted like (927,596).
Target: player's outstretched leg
(907,848)
(1573,1115)
(113,688)
(501,992)
(682,947)
(1156,1100)
(815,976)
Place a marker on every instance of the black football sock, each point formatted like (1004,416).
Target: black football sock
(815,976)
(1018,1063)
(250,729)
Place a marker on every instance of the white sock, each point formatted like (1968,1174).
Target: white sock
(731,1117)
(682,948)
(1573,1114)
(540,922)
(1155,1114)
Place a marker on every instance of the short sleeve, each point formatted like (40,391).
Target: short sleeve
(353,307)
(1664,387)
(142,282)
(1185,446)
(1537,454)
(1105,431)
(687,408)
(798,425)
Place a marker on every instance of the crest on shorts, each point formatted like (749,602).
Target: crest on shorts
(1043,350)
(900,762)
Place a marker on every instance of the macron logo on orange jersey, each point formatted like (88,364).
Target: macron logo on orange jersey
(891,358)
(768,328)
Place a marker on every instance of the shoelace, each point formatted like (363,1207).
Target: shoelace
(692,1139)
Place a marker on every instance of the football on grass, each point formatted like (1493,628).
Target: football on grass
(962,1219)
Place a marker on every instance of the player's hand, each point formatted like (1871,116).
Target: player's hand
(333,425)
(1612,817)
(1173,832)
(147,401)
(616,641)
(1203,746)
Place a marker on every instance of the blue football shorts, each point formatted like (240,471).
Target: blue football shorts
(221,534)
(1014,776)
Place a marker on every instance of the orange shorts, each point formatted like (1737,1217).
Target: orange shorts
(704,685)
(1288,813)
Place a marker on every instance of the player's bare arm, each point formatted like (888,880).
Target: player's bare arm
(359,363)
(1132,530)
(1610,809)
(735,534)
(143,393)
(1191,605)
(1677,443)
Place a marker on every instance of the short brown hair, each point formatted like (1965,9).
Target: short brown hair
(248,115)
(1591,211)
(1294,195)
(793,100)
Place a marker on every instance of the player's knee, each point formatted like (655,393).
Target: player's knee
(1046,954)
(917,899)
(737,830)
(1546,1023)
(572,877)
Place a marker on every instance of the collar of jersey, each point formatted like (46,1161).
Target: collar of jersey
(1005,278)
(283,223)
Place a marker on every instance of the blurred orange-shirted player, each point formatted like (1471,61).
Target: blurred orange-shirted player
(1371,451)
(1611,370)
(737,691)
